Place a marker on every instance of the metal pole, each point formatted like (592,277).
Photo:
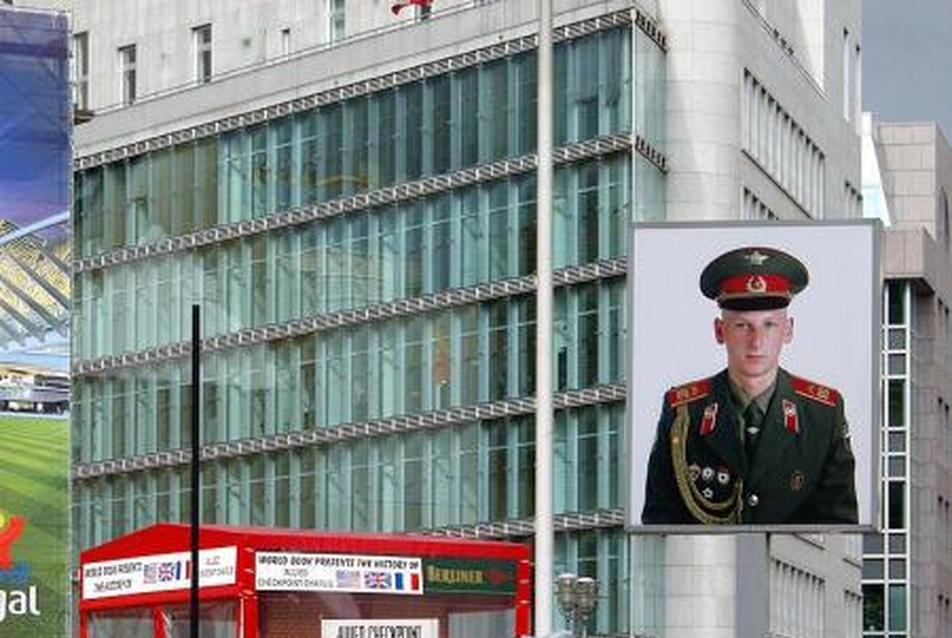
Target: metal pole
(193,612)
(544,529)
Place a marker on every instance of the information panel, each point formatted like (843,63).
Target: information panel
(381,628)
(158,572)
(367,574)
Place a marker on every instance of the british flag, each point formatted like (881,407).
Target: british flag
(377,580)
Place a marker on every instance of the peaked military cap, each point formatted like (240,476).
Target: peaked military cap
(754,278)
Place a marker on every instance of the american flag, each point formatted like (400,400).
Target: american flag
(348,579)
(163,572)
(377,580)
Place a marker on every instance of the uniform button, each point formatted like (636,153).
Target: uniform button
(752,500)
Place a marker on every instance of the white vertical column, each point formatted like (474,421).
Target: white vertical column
(544,531)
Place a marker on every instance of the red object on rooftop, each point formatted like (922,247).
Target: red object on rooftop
(399,5)
(277,583)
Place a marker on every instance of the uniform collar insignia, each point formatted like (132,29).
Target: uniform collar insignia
(709,420)
(790,420)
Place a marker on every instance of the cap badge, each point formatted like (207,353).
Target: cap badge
(756,258)
(756,285)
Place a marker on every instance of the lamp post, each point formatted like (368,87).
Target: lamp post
(577,597)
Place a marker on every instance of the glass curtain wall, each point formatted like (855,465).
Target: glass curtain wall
(474,351)
(886,555)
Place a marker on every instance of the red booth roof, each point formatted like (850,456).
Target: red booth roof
(174,537)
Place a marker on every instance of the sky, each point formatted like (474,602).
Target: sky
(907,61)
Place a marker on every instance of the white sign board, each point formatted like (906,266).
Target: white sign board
(284,571)
(381,628)
(158,572)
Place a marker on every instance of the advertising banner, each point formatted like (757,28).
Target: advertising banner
(158,572)
(754,386)
(367,574)
(35,178)
(459,575)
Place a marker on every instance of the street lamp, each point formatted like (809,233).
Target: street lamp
(577,597)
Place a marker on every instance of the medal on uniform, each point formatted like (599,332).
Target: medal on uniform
(709,420)
(707,474)
(694,471)
(796,481)
(723,476)
(790,417)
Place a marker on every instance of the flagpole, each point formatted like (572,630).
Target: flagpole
(544,528)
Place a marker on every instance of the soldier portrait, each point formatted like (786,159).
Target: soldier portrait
(751,439)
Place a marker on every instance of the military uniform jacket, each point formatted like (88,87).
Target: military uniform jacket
(802,470)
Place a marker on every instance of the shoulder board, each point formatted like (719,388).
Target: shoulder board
(688,392)
(815,391)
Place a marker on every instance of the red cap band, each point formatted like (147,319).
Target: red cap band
(753,284)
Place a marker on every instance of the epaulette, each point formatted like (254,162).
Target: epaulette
(812,390)
(688,392)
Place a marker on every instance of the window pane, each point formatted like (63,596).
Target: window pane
(897,339)
(897,441)
(896,404)
(873,617)
(897,607)
(896,312)
(896,505)
(897,466)
(897,364)
(897,543)
(872,568)
(872,543)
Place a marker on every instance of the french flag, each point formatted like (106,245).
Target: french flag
(408,582)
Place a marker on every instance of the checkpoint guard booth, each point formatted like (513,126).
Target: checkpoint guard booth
(274,583)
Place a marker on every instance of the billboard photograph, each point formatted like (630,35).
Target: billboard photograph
(753,395)
(35,150)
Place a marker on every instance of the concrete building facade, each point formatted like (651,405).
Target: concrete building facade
(907,570)
(351,199)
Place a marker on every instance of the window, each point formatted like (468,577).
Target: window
(943,229)
(127,73)
(285,41)
(81,71)
(847,81)
(202,44)
(335,20)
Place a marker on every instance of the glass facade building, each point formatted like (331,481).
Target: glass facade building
(364,263)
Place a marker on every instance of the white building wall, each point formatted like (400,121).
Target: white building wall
(727,161)
(794,50)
